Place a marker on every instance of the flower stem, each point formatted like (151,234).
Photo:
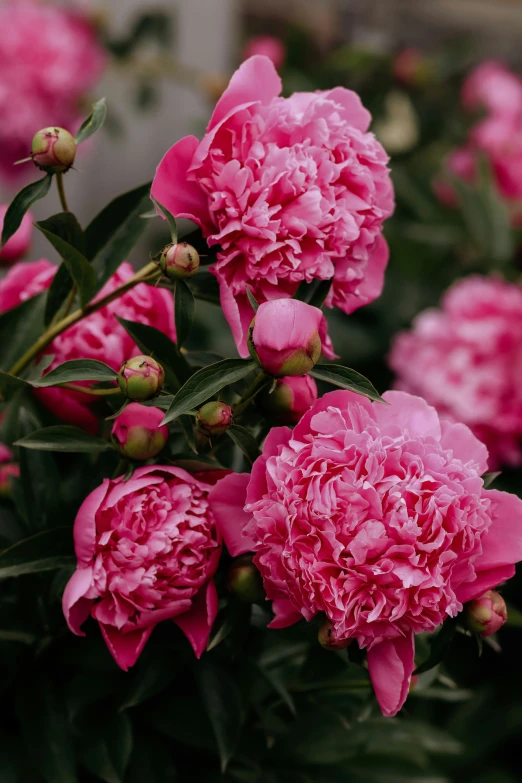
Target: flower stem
(88,390)
(148,273)
(61,192)
(260,381)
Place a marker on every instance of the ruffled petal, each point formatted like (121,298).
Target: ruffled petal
(256,81)
(125,648)
(227,500)
(76,607)
(391,664)
(197,623)
(285,614)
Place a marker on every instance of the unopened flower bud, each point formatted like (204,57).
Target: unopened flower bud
(137,431)
(214,418)
(141,378)
(53,150)
(412,68)
(327,639)
(290,399)
(244,580)
(284,337)
(487,614)
(179,261)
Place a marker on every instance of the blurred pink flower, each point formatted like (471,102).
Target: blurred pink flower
(466,359)
(18,245)
(292,189)
(376,516)
(411,67)
(24,280)
(147,551)
(492,87)
(49,59)
(267,46)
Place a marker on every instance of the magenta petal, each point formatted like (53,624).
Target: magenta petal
(391,664)
(197,623)
(227,499)
(285,614)
(76,607)
(125,648)
(239,314)
(171,188)
(256,80)
(502,544)
(464,444)
(486,580)
(354,112)
(85,523)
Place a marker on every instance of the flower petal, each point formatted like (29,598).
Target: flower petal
(227,500)
(76,607)
(391,664)
(502,544)
(85,523)
(125,648)
(486,580)
(285,614)
(197,623)
(256,80)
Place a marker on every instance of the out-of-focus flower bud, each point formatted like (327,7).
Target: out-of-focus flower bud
(290,399)
(267,46)
(53,150)
(214,418)
(413,682)
(18,245)
(141,378)
(179,261)
(284,337)
(244,580)
(412,68)
(137,431)
(487,614)
(328,640)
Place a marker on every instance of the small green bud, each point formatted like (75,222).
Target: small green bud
(328,640)
(179,261)
(214,418)
(141,378)
(244,580)
(53,150)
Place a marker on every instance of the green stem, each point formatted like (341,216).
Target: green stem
(253,390)
(148,273)
(88,390)
(61,192)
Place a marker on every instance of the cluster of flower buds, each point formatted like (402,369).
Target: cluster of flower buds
(53,150)
(137,432)
(141,378)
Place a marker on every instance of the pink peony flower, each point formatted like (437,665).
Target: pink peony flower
(493,87)
(25,280)
(292,189)
(138,433)
(376,516)
(266,46)
(460,163)
(147,551)
(49,59)
(291,398)
(466,359)
(18,245)
(285,337)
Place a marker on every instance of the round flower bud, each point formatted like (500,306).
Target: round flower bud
(179,261)
(487,614)
(141,378)
(214,418)
(244,580)
(53,150)
(328,640)
(290,399)
(284,337)
(138,433)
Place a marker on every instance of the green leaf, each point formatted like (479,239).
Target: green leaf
(21,203)
(64,437)
(313,293)
(171,220)
(107,753)
(207,382)
(223,704)
(45,551)
(155,343)
(489,478)
(20,328)
(345,378)
(93,122)
(204,286)
(234,614)
(186,423)
(253,301)
(77,370)
(184,307)
(66,226)
(245,441)
(10,385)
(77,265)
(439,645)
(198,464)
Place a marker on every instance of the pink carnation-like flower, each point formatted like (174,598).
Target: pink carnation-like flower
(292,189)
(25,280)
(493,87)
(49,58)
(376,516)
(147,551)
(466,359)
(267,46)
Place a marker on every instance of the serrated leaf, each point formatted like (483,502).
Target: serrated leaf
(155,343)
(20,327)
(439,645)
(171,220)
(93,122)
(184,307)
(77,265)
(346,378)
(23,200)
(224,707)
(77,370)
(66,438)
(207,382)
(45,551)
(245,441)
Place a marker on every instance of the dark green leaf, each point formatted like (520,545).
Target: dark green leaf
(66,226)
(171,220)
(204,286)
(155,343)
(10,385)
(245,441)
(341,376)
(151,762)
(235,613)
(253,301)
(186,423)
(198,464)
(20,328)
(93,122)
(278,685)
(44,551)
(313,293)
(224,707)
(77,265)
(207,382)
(107,753)
(439,645)
(21,203)
(184,307)
(489,478)
(77,370)
(64,437)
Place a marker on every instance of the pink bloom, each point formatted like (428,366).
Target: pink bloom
(376,516)
(147,551)
(18,245)
(266,46)
(49,59)
(292,189)
(285,337)
(138,433)
(466,359)
(25,280)
(460,163)
(291,398)
(493,87)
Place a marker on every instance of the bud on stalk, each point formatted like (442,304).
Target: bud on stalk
(328,640)
(244,580)
(290,399)
(214,418)
(141,378)
(487,614)
(137,431)
(53,150)
(179,261)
